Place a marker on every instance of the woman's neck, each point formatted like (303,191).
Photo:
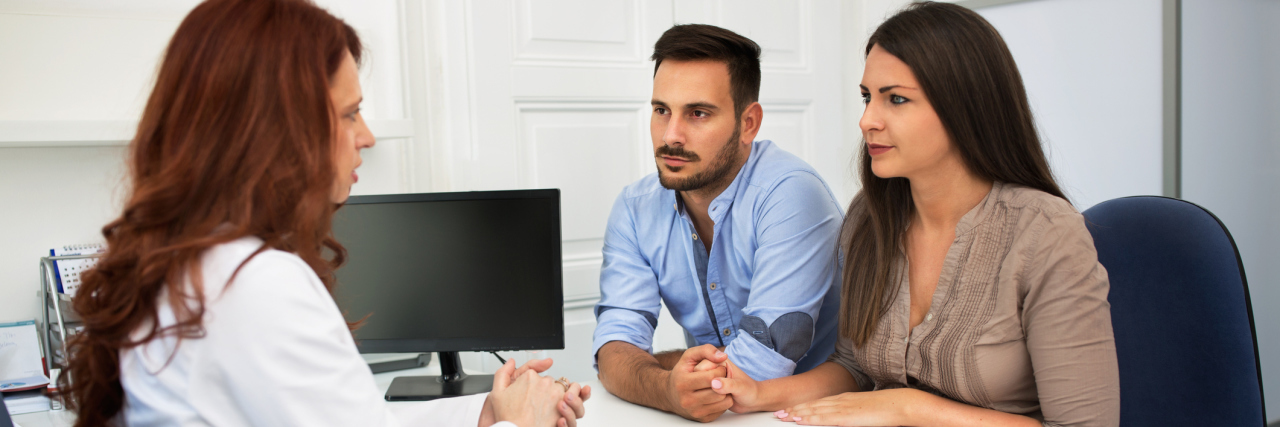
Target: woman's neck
(944,196)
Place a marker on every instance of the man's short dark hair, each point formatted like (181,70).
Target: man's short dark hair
(691,42)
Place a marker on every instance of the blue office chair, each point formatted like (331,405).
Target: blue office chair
(1181,313)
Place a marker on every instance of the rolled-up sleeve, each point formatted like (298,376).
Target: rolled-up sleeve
(629,298)
(795,266)
(1068,324)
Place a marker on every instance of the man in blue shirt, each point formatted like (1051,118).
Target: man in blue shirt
(737,236)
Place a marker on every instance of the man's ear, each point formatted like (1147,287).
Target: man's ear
(750,122)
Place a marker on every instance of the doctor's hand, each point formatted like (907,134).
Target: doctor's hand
(574,398)
(689,388)
(742,387)
(528,400)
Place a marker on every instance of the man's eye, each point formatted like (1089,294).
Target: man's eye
(660,110)
(700,113)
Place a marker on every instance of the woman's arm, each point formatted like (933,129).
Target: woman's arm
(1067,320)
(754,396)
(901,406)
(279,353)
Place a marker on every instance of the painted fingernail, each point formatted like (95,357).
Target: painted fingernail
(716,384)
(782,415)
(795,418)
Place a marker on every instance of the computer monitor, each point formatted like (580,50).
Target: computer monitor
(450,272)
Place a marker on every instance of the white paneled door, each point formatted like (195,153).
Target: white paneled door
(555,94)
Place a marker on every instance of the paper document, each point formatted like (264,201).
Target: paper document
(26,402)
(20,365)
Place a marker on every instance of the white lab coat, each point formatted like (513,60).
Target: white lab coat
(275,352)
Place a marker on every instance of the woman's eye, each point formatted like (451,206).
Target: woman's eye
(866,98)
(897,99)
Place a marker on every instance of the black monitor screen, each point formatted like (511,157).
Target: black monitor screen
(475,271)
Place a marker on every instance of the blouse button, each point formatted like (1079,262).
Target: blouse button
(713,286)
(726,332)
(928,317)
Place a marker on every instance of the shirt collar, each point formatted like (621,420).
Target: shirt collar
(979,213)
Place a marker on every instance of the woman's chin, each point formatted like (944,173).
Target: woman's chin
(884,171)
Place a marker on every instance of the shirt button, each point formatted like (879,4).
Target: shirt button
(695,237)
(713,286)
(676,207)
(906,340)
(726,332)
(928,317)
(714,207)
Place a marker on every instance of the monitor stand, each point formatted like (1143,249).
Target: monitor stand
(451,383)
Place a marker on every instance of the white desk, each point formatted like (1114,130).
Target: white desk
(603,409)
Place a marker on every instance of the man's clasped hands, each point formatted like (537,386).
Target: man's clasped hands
(704,384)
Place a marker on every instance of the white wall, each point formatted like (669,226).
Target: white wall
(1231,146)
(75,76)
(77,72)
(1096,93)
(556,94)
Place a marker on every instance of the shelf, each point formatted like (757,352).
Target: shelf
(117,133)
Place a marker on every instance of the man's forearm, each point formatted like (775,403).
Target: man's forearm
(635,375)
(669,358)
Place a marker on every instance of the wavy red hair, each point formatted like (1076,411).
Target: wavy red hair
(237,139)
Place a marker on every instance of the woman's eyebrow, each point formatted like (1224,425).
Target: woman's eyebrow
(890,87)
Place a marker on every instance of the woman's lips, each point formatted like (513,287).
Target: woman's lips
(354,177)
(877,149)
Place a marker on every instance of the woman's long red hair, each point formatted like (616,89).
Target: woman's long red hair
(236,140)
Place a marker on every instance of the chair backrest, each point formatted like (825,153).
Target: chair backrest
(1181,314)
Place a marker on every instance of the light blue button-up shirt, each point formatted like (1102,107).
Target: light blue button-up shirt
(772,273)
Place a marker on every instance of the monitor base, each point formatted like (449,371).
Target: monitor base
(433,387)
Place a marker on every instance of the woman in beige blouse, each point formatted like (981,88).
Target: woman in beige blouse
(972,290)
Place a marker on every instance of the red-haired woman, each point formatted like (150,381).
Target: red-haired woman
(212,306)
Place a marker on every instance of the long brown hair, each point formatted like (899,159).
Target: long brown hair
(236,140)
(970,78)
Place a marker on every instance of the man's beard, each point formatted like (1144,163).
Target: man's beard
(721,168)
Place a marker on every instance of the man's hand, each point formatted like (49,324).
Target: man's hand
(689,389)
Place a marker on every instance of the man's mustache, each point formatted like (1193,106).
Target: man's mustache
(669,151)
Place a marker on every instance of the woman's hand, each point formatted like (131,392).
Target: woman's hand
(570,410)
(528,400)
(744,389)
(572,407)
(869,408)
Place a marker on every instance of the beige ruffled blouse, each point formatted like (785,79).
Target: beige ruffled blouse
(1019,322)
